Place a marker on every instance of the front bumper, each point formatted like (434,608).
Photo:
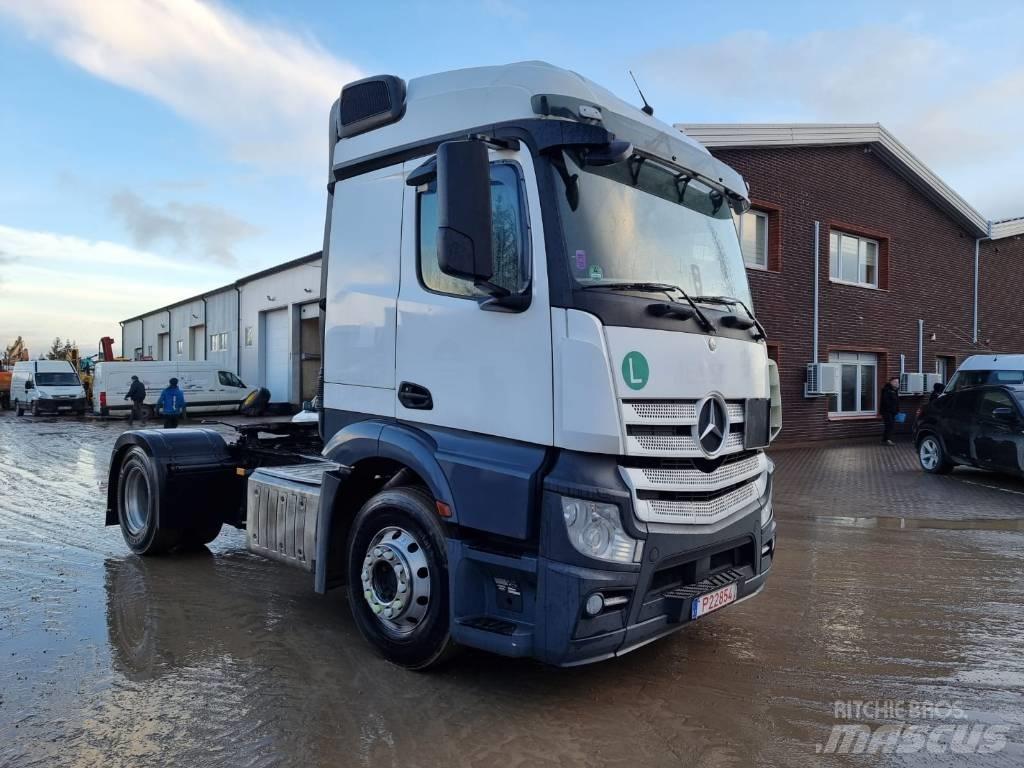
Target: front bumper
(535,606)
(60,405)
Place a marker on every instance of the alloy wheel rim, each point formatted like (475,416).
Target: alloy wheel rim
(929,453)
(396,580)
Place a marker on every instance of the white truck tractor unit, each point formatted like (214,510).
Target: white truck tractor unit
(545,397)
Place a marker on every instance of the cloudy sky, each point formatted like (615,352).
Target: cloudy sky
(153,149)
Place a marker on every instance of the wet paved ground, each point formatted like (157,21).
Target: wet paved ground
(889,586)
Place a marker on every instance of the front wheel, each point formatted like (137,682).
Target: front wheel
(932,456)
(138,506)
(398,578)
(35,407)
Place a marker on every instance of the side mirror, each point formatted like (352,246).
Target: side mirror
(464,211)
(307,405)
(29,385)
(1004,414)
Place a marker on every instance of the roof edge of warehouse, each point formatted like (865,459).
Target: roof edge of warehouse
(309,257)
(891,150)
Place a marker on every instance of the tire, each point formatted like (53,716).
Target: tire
(18,410)
(256,402)
(932,456)
(201,535)
(35,408)
(397,541)
(138,506)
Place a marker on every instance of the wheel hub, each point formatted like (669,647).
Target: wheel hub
(396,580)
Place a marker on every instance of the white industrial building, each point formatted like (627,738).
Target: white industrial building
(263,327)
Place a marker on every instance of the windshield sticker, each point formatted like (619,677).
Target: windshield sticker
(581,260)
(635,371)
(596,273)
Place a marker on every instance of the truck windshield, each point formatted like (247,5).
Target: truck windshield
(639,221)
(57,379)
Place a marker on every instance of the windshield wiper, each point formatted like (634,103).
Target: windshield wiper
(666,288)
(730,301)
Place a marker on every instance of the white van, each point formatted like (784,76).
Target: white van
(977,370)
(207,386)
(46,386)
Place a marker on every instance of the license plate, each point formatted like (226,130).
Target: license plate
(712,601)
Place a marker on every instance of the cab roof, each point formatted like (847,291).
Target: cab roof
(447,103)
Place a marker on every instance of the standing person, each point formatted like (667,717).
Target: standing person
(171,403)
(136,393)
(937,388)
(889,407)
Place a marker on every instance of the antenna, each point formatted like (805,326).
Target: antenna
(647,108)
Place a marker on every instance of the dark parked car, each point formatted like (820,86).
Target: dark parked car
(978,427)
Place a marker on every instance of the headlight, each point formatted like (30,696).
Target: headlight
(595,530)
(766,513)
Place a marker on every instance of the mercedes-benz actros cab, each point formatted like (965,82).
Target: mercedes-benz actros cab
(545,396)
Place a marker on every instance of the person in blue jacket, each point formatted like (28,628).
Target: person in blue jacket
(171,404)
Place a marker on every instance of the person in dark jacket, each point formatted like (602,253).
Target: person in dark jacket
(937,388)
(889,407)
(136,393)
(171,404)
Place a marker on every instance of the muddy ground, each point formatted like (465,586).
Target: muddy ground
(889,586)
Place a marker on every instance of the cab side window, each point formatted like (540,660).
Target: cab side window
(508,231)
(228,379)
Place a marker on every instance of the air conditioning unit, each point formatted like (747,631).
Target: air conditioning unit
(911,383)
(931,379)
(822,379)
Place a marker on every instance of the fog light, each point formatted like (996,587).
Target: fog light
(595,604)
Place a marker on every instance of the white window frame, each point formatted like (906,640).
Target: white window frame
(861,360)
(250,335)
(835,269)
(767,237)
(179,347)
(218,342)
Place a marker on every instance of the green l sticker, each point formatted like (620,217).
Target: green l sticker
(635,370)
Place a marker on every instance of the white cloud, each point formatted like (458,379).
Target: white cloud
(203,230)
(264,90)
(959,117)
(58,285)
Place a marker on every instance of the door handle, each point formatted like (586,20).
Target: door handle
(414,397)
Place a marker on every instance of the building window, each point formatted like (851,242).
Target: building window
(511,265)
(149,354)
(853,259)
(752,227)
(180,347)
(219,342)
(944,366)
(137,355)
(250,335)
(858,384)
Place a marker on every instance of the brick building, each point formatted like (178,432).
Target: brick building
(900,260)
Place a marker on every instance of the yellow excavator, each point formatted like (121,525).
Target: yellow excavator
(12,354)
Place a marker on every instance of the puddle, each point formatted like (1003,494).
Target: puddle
(907,523)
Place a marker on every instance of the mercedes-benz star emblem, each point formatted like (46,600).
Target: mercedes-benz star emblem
(712,427)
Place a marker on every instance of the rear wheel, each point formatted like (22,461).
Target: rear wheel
(932,456)
(398,578)
(138,506)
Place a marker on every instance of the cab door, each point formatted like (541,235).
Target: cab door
(459,364)
(998,433)
(957,425)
